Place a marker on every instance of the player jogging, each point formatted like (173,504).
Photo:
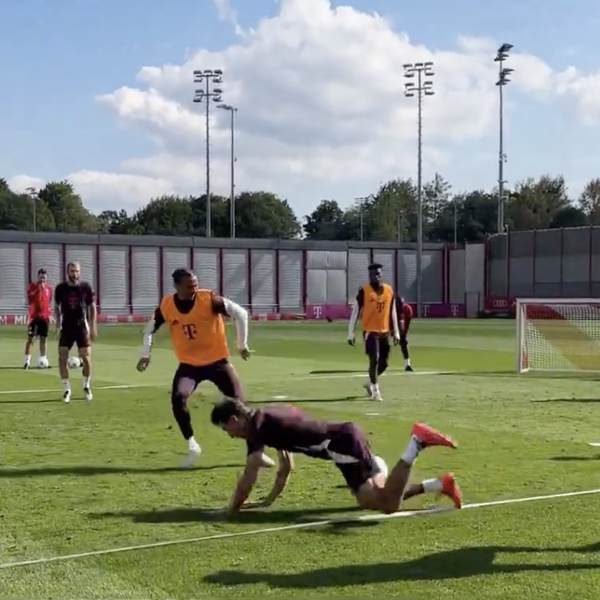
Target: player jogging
(76,323)
(195,320)
(288,430)
(39,296)
(375,304)
(405,314)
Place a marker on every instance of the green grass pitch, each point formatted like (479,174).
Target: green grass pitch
(86,477)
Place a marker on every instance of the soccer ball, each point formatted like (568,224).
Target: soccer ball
(42,363)
(74,362)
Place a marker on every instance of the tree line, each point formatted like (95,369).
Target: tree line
(390,214)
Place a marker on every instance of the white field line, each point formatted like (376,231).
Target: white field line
(302,378)
(292,527)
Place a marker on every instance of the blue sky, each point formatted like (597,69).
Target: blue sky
(58,57)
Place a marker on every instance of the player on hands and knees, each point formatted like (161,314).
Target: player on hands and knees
(39,296)
(195,320)
(375,305)
(288,430)
(76,318)
(405,315)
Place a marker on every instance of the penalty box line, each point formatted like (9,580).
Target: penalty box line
(292,527)
(302,378)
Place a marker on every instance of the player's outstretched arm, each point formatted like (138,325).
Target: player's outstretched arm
(356,310)
(283,474)
(246,482)
(239,314)
(152,326)
(394,320)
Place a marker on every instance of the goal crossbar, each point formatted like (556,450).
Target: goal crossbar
(557,334)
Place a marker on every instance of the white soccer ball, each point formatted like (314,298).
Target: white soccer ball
(74,362)
(42,363)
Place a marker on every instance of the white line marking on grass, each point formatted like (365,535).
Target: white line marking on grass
(292,527)
(280,398)
(595,444)
(301,378)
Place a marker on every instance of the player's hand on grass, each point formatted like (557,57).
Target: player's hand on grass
(143,363)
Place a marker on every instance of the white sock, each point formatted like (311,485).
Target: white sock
(86,382)
(192,442)
(432,486)
(376,387)
(27,358)
(44,356)
(407,362)
(412,451)
(66,385)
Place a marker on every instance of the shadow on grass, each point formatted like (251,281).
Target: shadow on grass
(30,400)
(451,564)
(574,458)
(567,400)
(349,371)
(91,470)
(306,400)
(265,516)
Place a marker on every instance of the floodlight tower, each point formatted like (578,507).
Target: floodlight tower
(423,72)
(208,77)
(503,74)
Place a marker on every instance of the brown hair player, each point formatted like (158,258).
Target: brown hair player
(405,315)
(288,430)
(39,296)
(76,323)
(376,306)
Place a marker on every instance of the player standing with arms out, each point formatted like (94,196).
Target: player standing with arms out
(76,318)
(195,320)
(39,296)
(288,430)
(375,304)
(405,314)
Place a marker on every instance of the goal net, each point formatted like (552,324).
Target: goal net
(558,334)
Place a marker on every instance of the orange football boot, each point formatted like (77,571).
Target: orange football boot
(451,489)
(428,436)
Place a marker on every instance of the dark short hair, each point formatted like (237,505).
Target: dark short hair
(375,266)
(180,274)
(224,410)
(42,272)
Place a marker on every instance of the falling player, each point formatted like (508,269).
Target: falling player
(376,306)
(39,296)
(195,320)
(76,323)
(405,315)
(288,430)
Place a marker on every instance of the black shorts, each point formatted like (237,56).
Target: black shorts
(38,328)
(351,452)
(221,373)
(377,345)
(74,335)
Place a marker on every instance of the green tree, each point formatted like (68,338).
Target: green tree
(589,201)
(118,222)
(70,216)
(326,222)
(265,215)
(18,212)
(167,215)
(219,216)
(570,216)
(435,198)
(392,214)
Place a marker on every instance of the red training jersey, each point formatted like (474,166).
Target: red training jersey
(40,301)
(405,314)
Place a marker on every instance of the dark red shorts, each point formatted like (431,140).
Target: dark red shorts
(351,452)
(221,373)
(38,328)
(377,345)
(74,335)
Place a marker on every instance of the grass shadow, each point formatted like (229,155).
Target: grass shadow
(450,564)
(574,458)
(307,400)
(92,470)
(199,515)
(31,400)
(573,400)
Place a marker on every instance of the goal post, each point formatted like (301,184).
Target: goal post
(558,334)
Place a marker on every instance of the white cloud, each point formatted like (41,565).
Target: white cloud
(320,93)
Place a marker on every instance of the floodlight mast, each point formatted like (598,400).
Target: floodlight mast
(503,79)
(232,110)
(423,73)
(209,78)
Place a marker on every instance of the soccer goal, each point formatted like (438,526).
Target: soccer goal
(561,334)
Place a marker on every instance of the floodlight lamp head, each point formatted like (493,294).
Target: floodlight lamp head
(428,69)
(505,48)
(198,77)
(199,96)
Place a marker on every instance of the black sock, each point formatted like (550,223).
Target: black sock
(182,416)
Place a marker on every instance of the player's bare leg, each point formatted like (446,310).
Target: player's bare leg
(28,345)
(405,353)
(43,347)
(63,369)
(388,497)
(85,354)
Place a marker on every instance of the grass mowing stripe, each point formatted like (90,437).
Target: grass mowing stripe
(294,526)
